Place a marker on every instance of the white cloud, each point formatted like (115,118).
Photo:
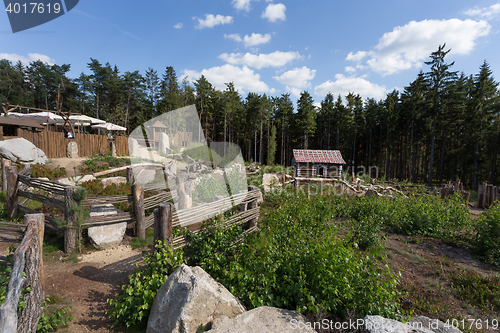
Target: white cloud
(297,77)
(408,46)
(343,85)
(178,25)
(349,69)
(26,60)
(486,12)
(274,12)
(242,4)
(259,61)
(244,78)
(249,41)
(211,21)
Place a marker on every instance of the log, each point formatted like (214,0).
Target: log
(479,196)
(26,259)
(140,216)
(5,163)
(12,191)
(163,223)
(107,172)
(29,316)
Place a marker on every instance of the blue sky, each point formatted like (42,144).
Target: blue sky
(272,47)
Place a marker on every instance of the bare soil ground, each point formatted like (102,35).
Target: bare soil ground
(425,265)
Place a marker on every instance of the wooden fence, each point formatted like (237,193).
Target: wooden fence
(487,195)
(28,262)
(54,144)
(142,198)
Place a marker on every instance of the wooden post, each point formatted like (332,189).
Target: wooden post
(12,205)
(163,223)
(181,193)
(251,205)
(490,195)
(30,315)
(5,163)
(130,175)
(70,231)
(140,215)
(479,196)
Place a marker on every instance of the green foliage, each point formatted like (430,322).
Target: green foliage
(40,170)
(140,243)
(297,262)
(487,241)
(426,215)
(99,163)
(53,316)
(131,308)
(475,289)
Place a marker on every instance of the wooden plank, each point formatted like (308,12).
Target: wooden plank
(108,219)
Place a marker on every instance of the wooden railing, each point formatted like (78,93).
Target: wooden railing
(142,198)
(27,271)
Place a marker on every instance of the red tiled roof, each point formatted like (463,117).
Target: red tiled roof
(318,156)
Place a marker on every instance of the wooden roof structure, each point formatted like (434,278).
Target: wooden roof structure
(157,124)
(20,122)
(317,156)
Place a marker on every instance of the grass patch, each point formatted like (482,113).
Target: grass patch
(138,243)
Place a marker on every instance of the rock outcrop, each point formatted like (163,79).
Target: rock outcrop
(190,298)
(109,235)
(22,150)
(264,319)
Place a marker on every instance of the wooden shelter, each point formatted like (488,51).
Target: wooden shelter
(317,163)
(158,128)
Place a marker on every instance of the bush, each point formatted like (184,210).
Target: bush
(132,307)
(297,262)
(487,241)
(40,170)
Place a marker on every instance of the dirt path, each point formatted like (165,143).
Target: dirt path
(87,285)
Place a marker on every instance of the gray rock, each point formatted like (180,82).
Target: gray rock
(435,325)
(109,235)
(133,148)
(189,298)
(371,193)
(113,149)
(22,150)
(379,324)
(113,181)
(268,180)
(188,159)
(72,150)
(163,145)
(76,180)
(263,320)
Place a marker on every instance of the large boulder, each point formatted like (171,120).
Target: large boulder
(164,145)
(190,298)
(72,150)
(22,150)
(268,180)
(263,319)
(133,148)
(113,181)
(145,176)
(109,235)
(74,181)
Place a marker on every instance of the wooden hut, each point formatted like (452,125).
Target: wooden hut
(158,128)
(317,163)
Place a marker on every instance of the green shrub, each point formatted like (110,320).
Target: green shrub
(475,289)
(132,307)
(40,170)
(53,316)
(297,262)
(487,241)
